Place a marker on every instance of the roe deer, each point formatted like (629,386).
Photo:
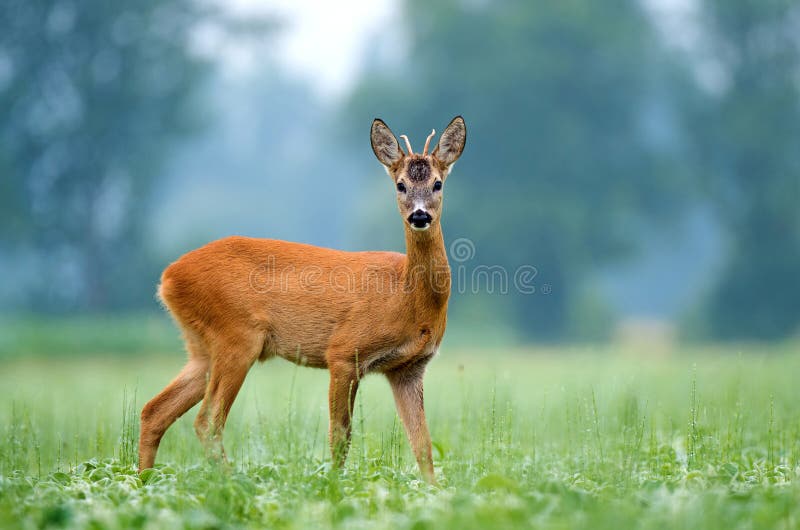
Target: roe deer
(240,300)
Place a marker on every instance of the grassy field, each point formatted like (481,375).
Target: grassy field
(548,438)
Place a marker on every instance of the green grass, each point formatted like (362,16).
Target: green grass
(553,439)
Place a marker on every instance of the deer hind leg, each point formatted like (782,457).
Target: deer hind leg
(231,360)
(184,392)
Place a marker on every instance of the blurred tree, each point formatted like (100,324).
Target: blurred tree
(747,134)
(93,96)
(570,143)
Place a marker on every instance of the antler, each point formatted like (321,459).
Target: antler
(428,141)
(408,144)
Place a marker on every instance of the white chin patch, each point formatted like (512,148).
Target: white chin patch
(419,229)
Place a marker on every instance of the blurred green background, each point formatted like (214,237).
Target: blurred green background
(643,156)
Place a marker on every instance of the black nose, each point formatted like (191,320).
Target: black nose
(420,218)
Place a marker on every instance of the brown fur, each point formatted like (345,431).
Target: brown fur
(239,300)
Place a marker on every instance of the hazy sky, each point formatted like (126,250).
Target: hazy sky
(322,42)
(325,42)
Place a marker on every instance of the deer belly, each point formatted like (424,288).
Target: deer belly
(393,358)
(303,351)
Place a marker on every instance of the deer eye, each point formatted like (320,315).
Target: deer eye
(401,187)
(437,186)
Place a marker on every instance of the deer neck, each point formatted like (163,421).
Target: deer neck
(427,272)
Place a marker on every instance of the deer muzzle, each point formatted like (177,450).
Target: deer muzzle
(420,220)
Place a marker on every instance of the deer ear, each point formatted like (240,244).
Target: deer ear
(451,143)
(384,144)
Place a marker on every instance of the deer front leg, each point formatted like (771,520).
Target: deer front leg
(341,398)
(408,396)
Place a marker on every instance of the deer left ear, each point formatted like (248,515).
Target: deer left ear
(451,143)
(384,143)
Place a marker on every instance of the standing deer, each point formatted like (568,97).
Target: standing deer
(240,300)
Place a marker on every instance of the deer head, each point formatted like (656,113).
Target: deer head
(419,177)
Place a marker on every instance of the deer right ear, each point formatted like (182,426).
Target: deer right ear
(384,144)
(451,143)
